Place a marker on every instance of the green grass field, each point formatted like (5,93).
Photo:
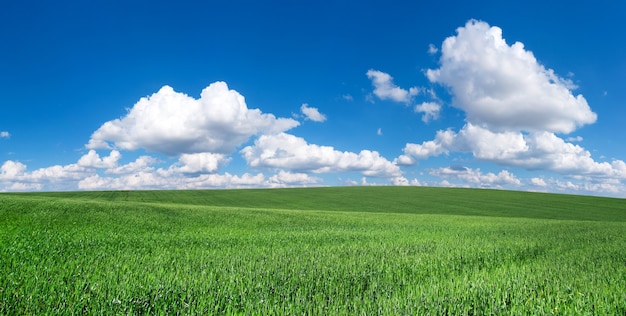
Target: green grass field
(342,250)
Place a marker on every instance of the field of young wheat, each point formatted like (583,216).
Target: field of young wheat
(356,251)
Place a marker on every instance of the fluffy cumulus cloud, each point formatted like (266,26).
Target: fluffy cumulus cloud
(442,143)
(141,164)
(385,89)
(14,176)
(311,113)
(174,123)
(294,153)
(93,160)
(200,162)
(476,177)
(284,178)
(191,171)
(504,87)
(538,182)
(4,134)
(533,151)
(610,186)
(11,169)
(514,108)
(430,109)
(161,179)
(202,134)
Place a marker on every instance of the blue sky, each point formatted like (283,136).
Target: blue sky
(189,95)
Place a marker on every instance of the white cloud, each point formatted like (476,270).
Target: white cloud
(58,173)
(539,182)
(385,89)
(488,145)
(187,164)
(5,134)
(165,179)
(432,49)
(444,140)
(200,162)
(404,160)
(447,184)
(312,113)
(402,181)
(198,170)
(286,151)
(603,187)
(142,180)
(93,160)
(504,87)
(284,178)
(514,107)
(533,151)
(379,132)
(191,171)
(173,123)
(476,177)
(11,169)
(430,110)
(14,176)
(141,164)
(224,180)
(20,186)
(567,185)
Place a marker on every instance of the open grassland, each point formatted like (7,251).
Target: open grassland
(362,250)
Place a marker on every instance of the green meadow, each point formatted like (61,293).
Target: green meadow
(314,251)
